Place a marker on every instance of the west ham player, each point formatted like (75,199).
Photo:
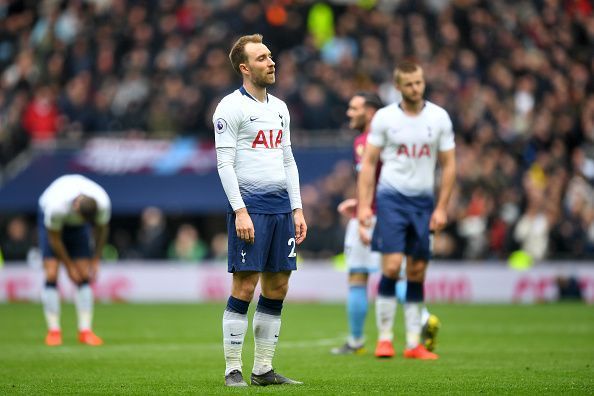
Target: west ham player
(360,259)
(69,209)
(410,137)
(265,220)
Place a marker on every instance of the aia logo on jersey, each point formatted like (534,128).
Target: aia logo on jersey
(269,140)
(414,151)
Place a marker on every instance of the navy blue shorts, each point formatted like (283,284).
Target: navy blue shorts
(274,245)
(402,230)
(76,239)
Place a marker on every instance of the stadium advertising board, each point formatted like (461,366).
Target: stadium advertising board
(167,282)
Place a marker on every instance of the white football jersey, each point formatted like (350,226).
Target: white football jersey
(258,132)
(56,201)
(410,145)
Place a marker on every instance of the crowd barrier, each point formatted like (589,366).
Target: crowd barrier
(313,282)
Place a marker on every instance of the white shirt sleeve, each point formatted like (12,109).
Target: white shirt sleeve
(225,166)
(292,175)
(377,135)
(53,218)
(226,121)
(446,139)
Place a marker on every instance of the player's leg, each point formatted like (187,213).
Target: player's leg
(389,238)
(77,241)
(50,299)
(360,260)
(84,303)
(415,274)
(357,307)
(279,230)
(431,323)
(267,324)
(235,325)
(385,303)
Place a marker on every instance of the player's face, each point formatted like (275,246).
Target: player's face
(260,64)
(356,113)
(411,86)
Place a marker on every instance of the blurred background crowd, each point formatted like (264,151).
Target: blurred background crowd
(516,76)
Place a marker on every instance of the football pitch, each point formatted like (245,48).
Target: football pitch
(176,349)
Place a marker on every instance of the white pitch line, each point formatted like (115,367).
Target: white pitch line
(190,346)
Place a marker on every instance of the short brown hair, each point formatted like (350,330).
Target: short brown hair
(237,55)
(88,208)
(407,66)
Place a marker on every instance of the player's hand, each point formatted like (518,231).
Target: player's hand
(365,216)
(439,219)
(300,226)
(347,207)
(244,226)
(94,270)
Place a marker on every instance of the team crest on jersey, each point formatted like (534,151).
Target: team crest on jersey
(220,125)
(282,120)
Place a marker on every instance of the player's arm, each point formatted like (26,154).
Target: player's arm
(347,207)
(292,177)
(100,232)
(226,120)
(447,164)
(243,222)
(365,186)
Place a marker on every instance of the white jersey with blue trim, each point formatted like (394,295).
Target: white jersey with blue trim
(56,201)
(258,131)
(410,145)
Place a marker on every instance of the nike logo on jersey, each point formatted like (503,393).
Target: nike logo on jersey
(253,118)
(235,335)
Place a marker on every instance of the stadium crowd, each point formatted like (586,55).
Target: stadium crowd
(517,78)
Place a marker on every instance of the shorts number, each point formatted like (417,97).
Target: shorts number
(291,243)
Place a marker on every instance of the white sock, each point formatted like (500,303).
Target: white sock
(266,332)
(355,342)
(234,328)
(385,311)
(424,315)
(83,300)
(51,307)
(412,318)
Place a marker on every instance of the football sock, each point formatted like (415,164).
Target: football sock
(50,300)
(235,324)
(267,323)
(357,311)
(385,308)
(412,313)
(424,315)
(83,300)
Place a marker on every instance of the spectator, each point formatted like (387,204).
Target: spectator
(187,245)
(152,237)
(17,241)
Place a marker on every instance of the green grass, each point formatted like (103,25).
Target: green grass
(176,349)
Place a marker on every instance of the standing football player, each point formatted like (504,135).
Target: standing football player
(69,209)
(360,260)
(265,221)
(411,136)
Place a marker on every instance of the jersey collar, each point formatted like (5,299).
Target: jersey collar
(400,105)
(246,93)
